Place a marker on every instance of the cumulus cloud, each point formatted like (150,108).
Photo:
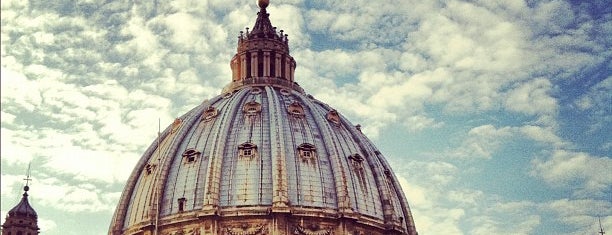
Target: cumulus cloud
(84,85)
(532,98)
(483,141)
(582,214)
(584,174)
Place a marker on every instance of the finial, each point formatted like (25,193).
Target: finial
(601,230)
(263,3)
(27,179)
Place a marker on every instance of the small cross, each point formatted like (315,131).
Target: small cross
(28,179)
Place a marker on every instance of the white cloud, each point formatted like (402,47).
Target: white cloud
(483,142)
(185,36)
(581,215)
(430,217)
(91,103)
(54,193)
(418,123)
(18,90)
(584,174)
(544,135)
(46,225)
(532,98)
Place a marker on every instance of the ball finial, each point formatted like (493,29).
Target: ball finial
(26,188)
(263,3)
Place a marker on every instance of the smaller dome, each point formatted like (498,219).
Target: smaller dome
(23,208)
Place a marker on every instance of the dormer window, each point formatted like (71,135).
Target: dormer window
(296,109)
(210,113)
(356,157)
(357,163)
(333,117)
(252,107)
(307,153)
(191,155)
(149,168)
(247,150)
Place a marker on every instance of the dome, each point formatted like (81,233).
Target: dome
(23,208)
(21,219)
(263,157)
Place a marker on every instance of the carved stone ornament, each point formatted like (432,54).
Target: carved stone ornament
(252,107)
(210,113)
(176,124)
(333,117)
(312,230)
(247,229)
(296,109)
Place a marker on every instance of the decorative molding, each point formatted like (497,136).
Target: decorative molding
(312,230)
(247,229)
(252,107)
(296,109)
(255,90)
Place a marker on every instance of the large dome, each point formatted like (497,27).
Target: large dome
(262,158)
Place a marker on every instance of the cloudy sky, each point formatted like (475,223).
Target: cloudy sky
(496,115)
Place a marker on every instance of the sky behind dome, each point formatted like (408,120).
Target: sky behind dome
(495,115)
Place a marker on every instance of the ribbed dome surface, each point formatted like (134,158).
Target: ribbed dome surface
(262,158)
(202,161)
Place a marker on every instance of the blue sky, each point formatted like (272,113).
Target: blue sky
(495,115)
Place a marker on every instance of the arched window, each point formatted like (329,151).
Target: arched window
(248,65)
(260,64)
(181,204)
(272,64)
(357,164)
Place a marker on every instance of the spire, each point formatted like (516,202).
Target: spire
(262,56)
(263,26)
(601,230)
(24,208)
(22,219)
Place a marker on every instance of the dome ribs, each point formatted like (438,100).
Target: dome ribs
(343,200)
(280,201)
(388,202)
(213,185)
